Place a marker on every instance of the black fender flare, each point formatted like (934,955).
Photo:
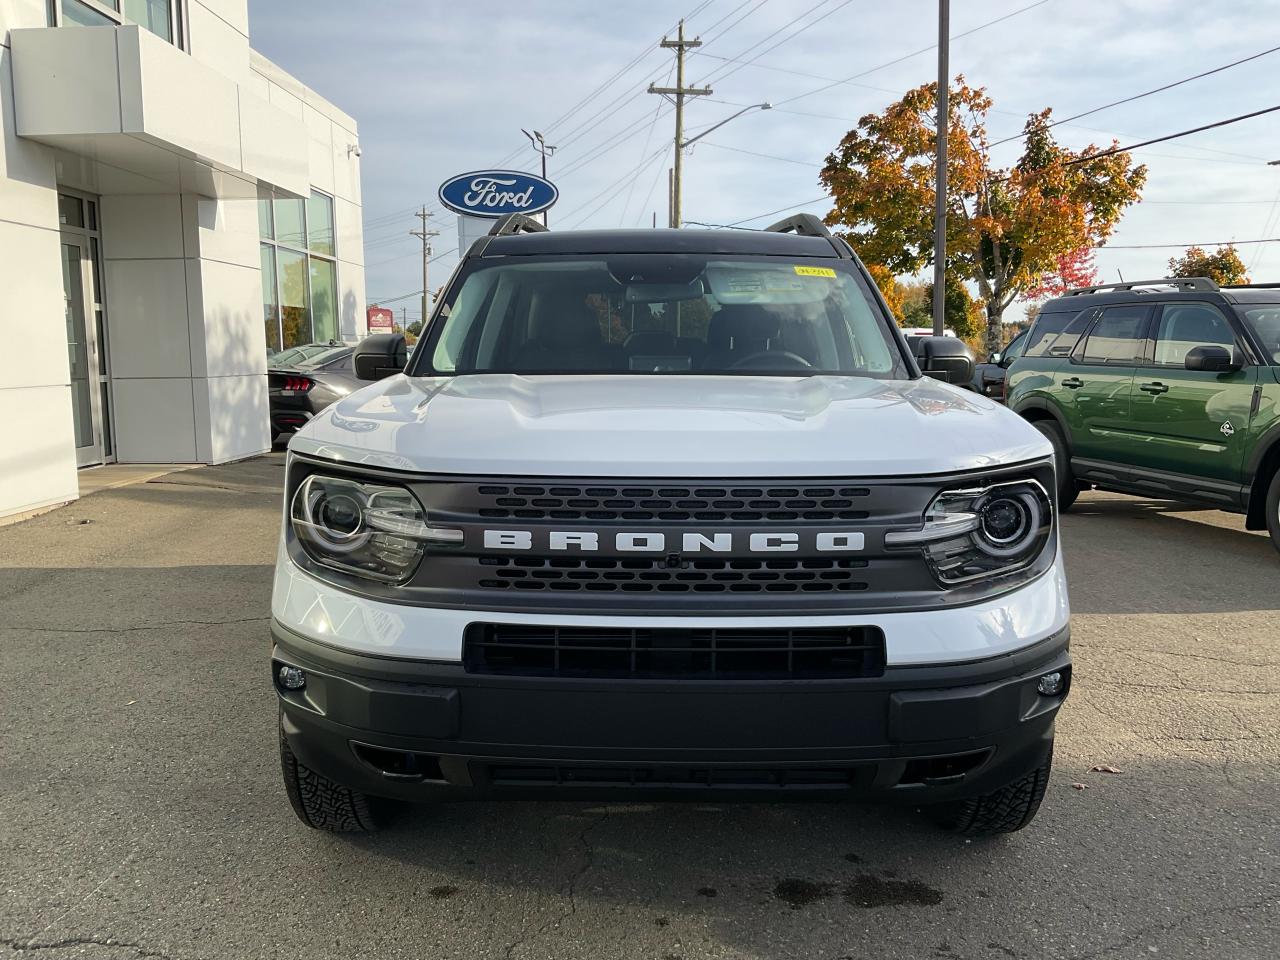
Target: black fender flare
(1042,404)
(1251,480)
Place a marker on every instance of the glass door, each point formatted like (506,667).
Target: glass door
(82,356)
(86,320)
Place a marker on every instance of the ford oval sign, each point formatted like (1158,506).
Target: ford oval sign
(495,193)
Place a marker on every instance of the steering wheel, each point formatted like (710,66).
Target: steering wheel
(769,360)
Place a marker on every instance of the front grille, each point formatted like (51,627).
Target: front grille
(646,575)
(675,777)
(706,504)
(678,653)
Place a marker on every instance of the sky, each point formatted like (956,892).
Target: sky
(442,88)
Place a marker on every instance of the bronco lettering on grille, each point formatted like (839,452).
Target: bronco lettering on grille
(834,541)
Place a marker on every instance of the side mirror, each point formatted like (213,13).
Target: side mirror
(1212,359)
(947,359)
(380,356)
(996,358)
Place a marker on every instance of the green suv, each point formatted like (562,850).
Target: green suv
(1161,388)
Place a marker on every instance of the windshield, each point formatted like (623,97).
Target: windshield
(662,314)
(1264,320)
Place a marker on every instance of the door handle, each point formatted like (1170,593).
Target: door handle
(1073,382)
(1155,387)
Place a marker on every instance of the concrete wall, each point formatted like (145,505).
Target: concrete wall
(37,442)
(181,270)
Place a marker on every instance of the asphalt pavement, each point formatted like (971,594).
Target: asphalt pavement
(142,813)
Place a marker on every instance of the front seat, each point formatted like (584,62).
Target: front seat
(565,335)
(737,331)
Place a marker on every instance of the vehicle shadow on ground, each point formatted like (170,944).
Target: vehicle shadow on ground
(1137,548)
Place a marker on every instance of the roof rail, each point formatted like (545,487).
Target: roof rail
(514,223)
(1250,286)
(801,224)
(1182,283)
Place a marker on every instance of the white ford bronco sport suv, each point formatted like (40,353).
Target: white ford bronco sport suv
(668,512)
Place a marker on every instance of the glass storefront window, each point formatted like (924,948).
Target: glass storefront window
(82,15)
(155,15)
(320,223)
(266,228)
(295,303)
(270,302)
(299,290)
(324,303)
(70,211)
(152,14)
(291,222)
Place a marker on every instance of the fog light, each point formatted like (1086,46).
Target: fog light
(292,678)
(1050,684)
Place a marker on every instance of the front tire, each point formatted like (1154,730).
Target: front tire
(325,804)
(1010,808)
(1068,489)
(1273,509)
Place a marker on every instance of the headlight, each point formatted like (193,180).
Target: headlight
(368,529)
(982,532)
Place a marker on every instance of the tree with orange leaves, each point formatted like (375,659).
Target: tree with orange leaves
(1006,228)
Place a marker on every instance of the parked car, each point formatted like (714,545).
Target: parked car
(297,391)
(667,513)
(300,353)
(989,377)
(1161,388)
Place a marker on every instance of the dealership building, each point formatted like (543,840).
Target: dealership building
(172,206)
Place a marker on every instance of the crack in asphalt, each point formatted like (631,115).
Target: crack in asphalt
(1102,682)
(1142,932)
(570,890)
(23,628)
(23,945)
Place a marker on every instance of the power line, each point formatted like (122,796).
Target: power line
(914,53)
(717,74)
(1202,243)
(1171,136)
(1139,96)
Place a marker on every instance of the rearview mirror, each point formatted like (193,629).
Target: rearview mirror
(947,359)
(380,356)
(1212,359)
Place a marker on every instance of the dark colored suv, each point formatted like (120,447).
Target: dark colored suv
(1163,388)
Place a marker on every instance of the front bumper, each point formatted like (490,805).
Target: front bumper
(420,730)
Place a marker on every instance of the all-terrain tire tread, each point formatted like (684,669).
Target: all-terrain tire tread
(323,803)
(1068,489)
(1010,808)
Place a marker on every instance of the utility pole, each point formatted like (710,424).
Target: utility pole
(545,149)
(676,95)
(940,177)
(426,236)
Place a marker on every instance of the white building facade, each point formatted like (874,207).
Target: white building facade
(172,207)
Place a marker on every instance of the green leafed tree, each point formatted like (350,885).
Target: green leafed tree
(1006,227)
(1223,266)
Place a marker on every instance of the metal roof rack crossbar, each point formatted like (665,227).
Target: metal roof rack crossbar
(1182,283)
(801,224)
(514,223)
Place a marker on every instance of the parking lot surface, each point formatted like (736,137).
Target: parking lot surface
(142,814)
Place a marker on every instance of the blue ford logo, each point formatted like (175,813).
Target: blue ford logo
(495,193)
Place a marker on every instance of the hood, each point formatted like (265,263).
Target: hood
(668,426)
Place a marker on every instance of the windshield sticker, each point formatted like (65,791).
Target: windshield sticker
(815,272)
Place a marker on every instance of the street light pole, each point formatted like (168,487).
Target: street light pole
(712,129)
(940,176)
(544,150)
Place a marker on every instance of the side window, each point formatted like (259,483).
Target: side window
(1183,326)
(1117,337)
(1014,350)
(1055,334)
